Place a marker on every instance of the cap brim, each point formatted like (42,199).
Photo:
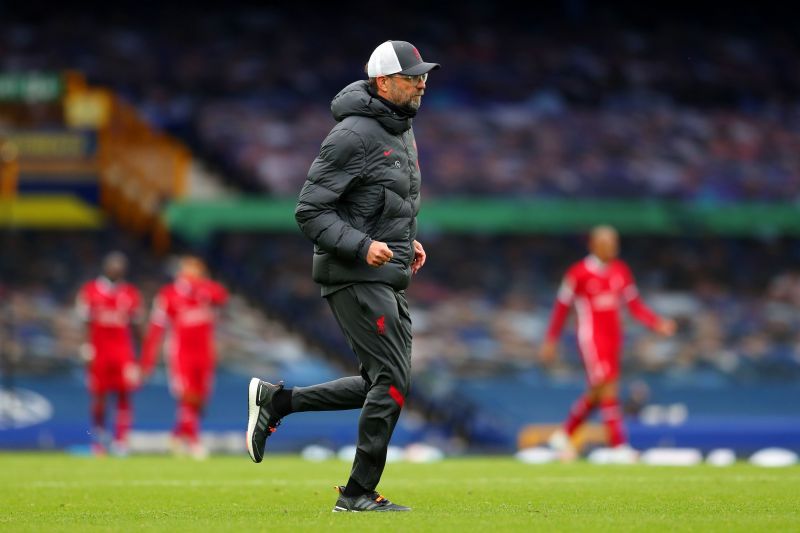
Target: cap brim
(420,68)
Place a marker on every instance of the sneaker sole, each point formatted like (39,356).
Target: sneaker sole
(252,417)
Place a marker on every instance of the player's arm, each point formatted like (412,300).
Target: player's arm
(159,321)
(219,294)
(558,318)
(138,319)
(641,312)
(340,162)
(83,311)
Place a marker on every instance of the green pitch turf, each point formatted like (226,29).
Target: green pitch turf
(62,493)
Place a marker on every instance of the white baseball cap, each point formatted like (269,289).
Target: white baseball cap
(397,57)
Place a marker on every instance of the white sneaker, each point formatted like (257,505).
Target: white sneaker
(623,454)
(561,443)
(558,440)
(177,446)
(198,451)
(119,448)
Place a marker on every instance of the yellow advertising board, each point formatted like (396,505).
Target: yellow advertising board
(49,211)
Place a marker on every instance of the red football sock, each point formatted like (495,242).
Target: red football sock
(193,425)
(612,417)
(581,409)
(188,424)
(124,416)
(182,420)
(98,412)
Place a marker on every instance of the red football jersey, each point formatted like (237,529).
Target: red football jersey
(109,309)
(598,291)
(189,307)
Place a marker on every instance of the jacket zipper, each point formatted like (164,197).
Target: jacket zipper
(408,154)
(410,179)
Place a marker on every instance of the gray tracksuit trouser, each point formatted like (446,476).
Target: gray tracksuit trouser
(376,322)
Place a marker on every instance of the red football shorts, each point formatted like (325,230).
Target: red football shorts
(192,376)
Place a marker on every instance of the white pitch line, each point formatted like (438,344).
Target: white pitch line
(162,483)
(533,480)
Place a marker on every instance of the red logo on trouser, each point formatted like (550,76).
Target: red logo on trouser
(396,395)
(381,323)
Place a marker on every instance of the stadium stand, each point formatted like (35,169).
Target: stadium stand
(543,148)
(699,114)
(688,112)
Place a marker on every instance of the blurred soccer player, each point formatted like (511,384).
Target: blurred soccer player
(109,306)
(189,305)
(598,285)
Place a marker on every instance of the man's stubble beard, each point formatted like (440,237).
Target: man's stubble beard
(408,104)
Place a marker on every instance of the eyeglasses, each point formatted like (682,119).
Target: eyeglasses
(413,79)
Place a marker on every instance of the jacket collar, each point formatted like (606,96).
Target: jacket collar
(357,100)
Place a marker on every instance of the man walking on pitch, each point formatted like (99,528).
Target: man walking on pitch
(598,285)
(359,207)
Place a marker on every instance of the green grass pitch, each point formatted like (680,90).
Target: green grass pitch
(51,492)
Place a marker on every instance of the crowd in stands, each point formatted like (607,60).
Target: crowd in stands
(665,152)
(489,54)
(522,106)
(737,303)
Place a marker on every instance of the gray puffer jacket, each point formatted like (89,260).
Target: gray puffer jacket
(363,186)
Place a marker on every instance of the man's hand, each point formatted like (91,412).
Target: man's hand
(132,375)
(548,352)
(666,327)
(378,254)
(86,352)
(419,257)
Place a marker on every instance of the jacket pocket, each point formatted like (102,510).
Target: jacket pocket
(394,218)
(394,206)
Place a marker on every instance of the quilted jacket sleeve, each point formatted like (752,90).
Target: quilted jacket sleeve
(341,160)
